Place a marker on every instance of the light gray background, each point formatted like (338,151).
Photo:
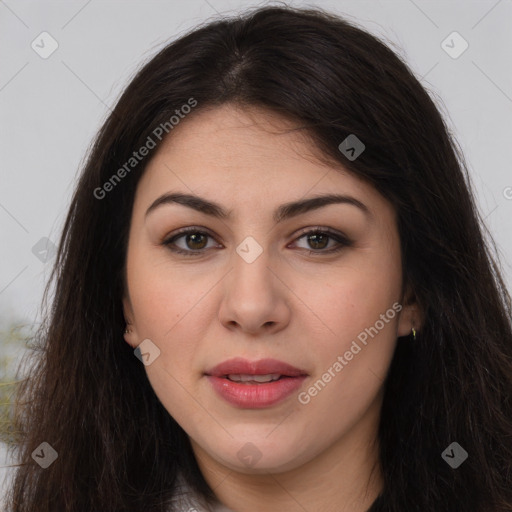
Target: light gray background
(51,108)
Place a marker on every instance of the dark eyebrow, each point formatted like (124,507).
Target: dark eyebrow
(283,212)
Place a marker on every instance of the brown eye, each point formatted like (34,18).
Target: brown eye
(318,240)
(193,242)
(196,240)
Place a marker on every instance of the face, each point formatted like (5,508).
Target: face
(309,295)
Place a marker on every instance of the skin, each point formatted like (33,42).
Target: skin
(289,305)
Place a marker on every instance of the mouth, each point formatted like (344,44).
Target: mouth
(253,379)
(257,384)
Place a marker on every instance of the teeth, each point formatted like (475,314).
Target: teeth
(255,378)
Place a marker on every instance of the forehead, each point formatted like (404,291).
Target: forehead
(245,157)
(245,136)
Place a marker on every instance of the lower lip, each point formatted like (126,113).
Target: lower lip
(255,396)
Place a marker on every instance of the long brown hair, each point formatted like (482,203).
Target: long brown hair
(89,397)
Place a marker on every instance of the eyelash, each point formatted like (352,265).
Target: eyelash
(340,239)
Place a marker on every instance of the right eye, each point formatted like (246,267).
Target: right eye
(195,241)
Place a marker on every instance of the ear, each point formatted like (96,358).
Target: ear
(411,316)
(130,334)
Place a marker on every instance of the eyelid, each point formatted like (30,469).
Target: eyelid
(323,229)
(189,229)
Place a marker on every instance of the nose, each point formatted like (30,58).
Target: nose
(255,297)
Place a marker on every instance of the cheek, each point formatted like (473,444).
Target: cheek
(353,316)
(350,301)
(171,308)
(161,295)
(352,359)
(165,304)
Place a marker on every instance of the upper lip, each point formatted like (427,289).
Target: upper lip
(241,366)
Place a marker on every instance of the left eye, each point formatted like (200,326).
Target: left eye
(196,241)
(320,240)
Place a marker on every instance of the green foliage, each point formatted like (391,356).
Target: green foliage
(13,339)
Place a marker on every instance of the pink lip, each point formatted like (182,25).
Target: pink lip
(260,367)
(255,396)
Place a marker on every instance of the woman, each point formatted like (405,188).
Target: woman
(272,293)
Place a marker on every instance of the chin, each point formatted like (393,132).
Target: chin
(258,454)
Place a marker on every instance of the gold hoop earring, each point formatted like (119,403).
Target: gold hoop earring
(413,334)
